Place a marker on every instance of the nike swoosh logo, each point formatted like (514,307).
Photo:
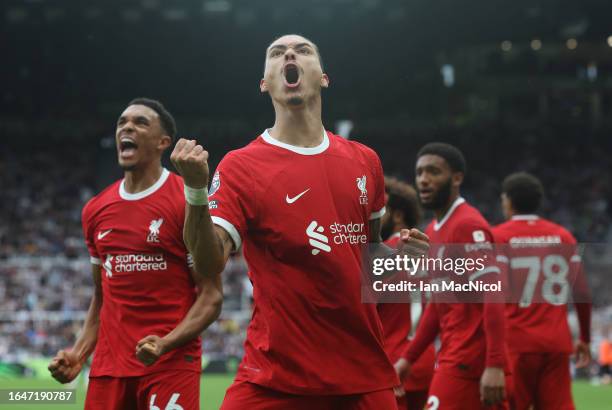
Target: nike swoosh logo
(103,234)
(295,198)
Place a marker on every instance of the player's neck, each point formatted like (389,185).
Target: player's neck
(140,179)
(300,127)
(441,213)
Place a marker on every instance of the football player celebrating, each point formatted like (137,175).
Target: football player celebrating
(149,307)
(542,265)
(303,203)
(470,364)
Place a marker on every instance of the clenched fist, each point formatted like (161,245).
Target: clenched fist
(65,366)
(414,243)
(191,161)
(150,349)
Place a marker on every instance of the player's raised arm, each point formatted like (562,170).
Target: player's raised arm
(67,364)
(203,313)
(209,246)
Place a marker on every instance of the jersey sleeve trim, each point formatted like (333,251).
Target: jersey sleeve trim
(230,229)
(95,261)
(377,214)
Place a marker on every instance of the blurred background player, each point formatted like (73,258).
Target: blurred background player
(545,270)
(605,356)
(149,306)
(304,202)
(403,212)
(470,364)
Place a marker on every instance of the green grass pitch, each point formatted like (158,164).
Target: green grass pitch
(586,396)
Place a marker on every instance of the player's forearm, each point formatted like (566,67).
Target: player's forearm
(202,241)
(202,314)
(86,342)
(583,311)
(494,329)
(426,332)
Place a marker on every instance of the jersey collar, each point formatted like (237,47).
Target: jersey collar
(142,194)
(450,211)
(524,217)
(298,150)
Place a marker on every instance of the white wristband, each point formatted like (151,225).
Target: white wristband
(196,196)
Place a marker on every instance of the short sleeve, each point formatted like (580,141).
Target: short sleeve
(88,233)
(231,197)
(473,231)
(378,202)
(475,241)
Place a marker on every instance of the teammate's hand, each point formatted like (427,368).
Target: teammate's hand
(414,242)
(149,349)
(65,366)
(402,368)
(583,354)
(492,386)
(191,161)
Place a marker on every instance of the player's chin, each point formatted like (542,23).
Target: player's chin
(127,165)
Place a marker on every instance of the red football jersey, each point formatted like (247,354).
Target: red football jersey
(147,288)
(396,319)
(303,216)
(538,323)
(465,346)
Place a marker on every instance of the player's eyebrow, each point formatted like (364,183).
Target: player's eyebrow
(301,45)
(284,47)
(138,118)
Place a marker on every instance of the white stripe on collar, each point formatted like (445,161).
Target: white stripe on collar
(450,211)
(142,194)
(298,150)
(524,217)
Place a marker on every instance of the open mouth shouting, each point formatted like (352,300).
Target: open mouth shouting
(127,147)
(291,75)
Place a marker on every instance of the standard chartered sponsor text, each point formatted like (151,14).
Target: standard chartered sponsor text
(140,262)
(350,233)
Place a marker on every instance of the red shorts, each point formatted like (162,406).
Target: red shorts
(413,400)
(155,391)
(244,395)
(542,380)
(449,392)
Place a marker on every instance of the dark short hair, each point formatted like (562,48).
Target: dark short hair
(524,191)
(165,118)
(403,197)
(305,38)
(451,154)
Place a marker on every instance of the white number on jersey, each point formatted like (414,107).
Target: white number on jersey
(555,269)
(433,403)
(172,405)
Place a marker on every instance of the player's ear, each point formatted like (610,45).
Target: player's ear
(457,179)
(164,142)
(324,81)
(263,86)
